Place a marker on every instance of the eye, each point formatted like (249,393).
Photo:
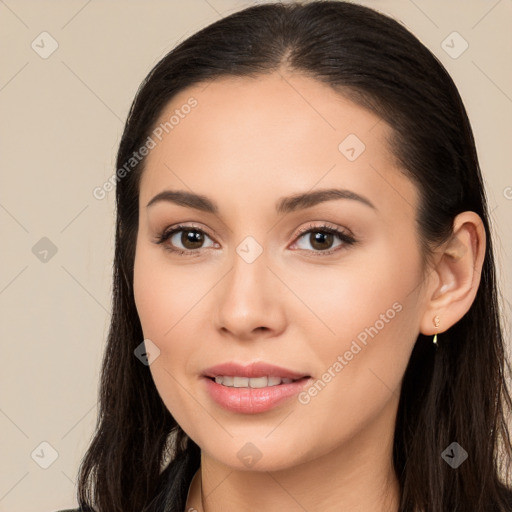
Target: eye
(322,237)
(190,237)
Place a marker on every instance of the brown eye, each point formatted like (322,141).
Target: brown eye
(184,239)
(322,238)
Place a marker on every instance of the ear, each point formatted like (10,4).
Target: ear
(455,279)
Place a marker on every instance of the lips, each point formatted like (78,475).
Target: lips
(232,386)
(252,370)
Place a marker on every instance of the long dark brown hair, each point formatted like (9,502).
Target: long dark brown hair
(139,458)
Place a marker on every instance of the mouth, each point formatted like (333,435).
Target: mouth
(252,389)
(257,374)
(233,381)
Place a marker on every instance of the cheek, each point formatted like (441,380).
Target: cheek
(163,292)
(171,299)
(363,293)
(369,322)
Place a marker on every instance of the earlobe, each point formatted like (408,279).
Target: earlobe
(457,271)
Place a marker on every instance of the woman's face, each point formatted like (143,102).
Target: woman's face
(249,287)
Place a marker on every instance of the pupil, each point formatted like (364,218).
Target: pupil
(191,237)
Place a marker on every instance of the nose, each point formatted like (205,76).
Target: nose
(249,301)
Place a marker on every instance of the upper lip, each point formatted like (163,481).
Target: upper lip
(257,369)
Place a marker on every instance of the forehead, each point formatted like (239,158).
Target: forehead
(275,107)
(268,134)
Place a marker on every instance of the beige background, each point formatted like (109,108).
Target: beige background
(61,121)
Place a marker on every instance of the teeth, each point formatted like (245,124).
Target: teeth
(255,382)
(246,382)
(240,382)
(229,381)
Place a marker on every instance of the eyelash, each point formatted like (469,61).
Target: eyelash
(342,235)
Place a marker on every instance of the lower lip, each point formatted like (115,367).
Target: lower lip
(253,400)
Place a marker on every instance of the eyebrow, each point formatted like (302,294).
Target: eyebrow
(283,205)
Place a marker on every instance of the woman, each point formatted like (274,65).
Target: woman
(305,303)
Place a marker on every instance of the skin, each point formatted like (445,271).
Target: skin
(249,142)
